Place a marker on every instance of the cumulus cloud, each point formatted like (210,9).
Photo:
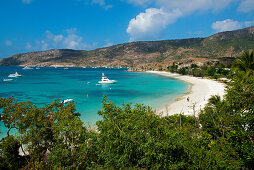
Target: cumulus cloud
(150,24)
(8,43)
(226,25)
(68,40)
(27,1)
(229,25)
(54,38)
(246,6)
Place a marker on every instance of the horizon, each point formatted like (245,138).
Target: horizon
(36,25)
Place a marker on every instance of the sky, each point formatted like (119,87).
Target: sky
(37,25)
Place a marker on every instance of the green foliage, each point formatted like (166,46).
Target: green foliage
(54,128)
(10,158)
(134,137)
(246,62)
(137,138)
(215,70)
(232,119)
(173,68)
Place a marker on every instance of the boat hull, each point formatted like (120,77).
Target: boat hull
(107,82)
(7,79)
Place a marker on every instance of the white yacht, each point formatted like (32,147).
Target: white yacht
(27,68)
(16,74)
(67,100)
(7,79)
(105,80)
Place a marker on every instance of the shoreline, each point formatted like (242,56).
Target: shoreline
(199,91)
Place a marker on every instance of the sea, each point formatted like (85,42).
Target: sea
(42,85)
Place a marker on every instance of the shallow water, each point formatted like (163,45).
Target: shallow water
(42,86)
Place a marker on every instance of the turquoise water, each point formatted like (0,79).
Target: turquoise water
(42,86)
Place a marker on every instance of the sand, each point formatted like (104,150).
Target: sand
(199,92)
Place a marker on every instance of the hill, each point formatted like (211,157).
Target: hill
(218,46)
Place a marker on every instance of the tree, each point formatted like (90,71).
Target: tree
(136,138)
(9,154)
(232,118)
(54,128)
(246,62)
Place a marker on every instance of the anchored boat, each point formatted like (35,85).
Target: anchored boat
(16,74)
(105,80)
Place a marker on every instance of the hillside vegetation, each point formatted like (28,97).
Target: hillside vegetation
(134,54)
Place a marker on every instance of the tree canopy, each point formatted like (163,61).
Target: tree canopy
(132,137)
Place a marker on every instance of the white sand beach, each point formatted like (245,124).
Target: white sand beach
(199,93)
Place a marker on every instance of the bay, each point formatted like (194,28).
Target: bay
(41,86)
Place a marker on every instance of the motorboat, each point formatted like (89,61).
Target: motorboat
(27,68)
(67,100)
(105,80)
(16,74)
(7,79)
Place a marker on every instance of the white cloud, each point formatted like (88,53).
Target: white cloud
(73,41)
(150,24)
(68,40)
(187,6)
(226,25)
(246,6)
(249,23)
(108,43)
(140,2)
(55,38)
(28,46)
(27,1)
(102,3)
(58,38)
(229,25)
(44,45)
(8,43)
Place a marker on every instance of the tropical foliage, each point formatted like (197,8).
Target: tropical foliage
(246,62)
(213,70)
(133,137)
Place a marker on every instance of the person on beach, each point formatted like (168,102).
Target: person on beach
(188,99)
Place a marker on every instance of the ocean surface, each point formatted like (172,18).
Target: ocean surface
(42,86)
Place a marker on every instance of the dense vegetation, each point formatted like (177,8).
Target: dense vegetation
(212,70)
(134,137)
(135,54)
(215,70)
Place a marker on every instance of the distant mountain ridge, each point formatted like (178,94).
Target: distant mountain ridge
(220,45)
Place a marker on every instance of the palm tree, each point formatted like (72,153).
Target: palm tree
(246,62)
(214,100)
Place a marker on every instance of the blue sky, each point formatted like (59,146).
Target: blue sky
(36,25)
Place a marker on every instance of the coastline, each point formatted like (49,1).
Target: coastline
(200,90)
